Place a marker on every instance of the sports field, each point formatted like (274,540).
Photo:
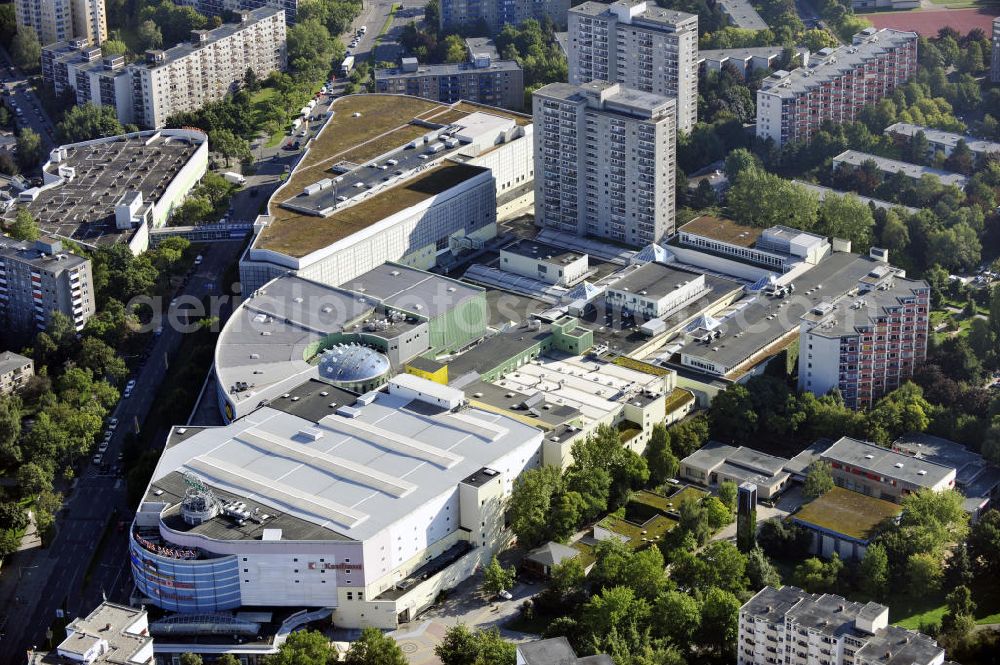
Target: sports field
(928,22)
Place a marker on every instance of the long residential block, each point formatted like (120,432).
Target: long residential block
(995,61)
(789,625)
(483,79)
(605,160)
(493,15)
(640,45)
(187,76)
(836,85)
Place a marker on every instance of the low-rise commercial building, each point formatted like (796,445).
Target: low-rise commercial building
(187,76)
(894,5)
(716,462)
(856,159)
(792,626)
(940,140)
(428,189)
(546,263)
(882,473)
(655,290)
(111,634)
(40,278)
(368,505)
(555,650)
(116,189)
(844,523)
(778,248)
(977,479)
(482,79)
(15,372)
(741,14)
(836,85)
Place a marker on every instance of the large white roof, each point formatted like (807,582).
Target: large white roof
(352,475)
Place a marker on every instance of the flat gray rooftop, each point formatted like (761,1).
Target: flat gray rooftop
(84,209)
(758,321)
(349,476)
(9,361)
(941,137)
(856,158)
(743,15)
(422,293)
(822,193)
(654,280)
(447,69)
(540,250)
(885,462)
(654,15)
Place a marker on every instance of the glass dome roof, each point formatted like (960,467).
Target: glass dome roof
(347,363)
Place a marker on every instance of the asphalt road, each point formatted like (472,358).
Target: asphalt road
(18,95)
(53,578)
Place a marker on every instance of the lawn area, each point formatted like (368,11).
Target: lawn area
(640,366)
(676,399)
(383,144)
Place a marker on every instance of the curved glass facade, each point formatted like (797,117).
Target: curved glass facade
(185,585)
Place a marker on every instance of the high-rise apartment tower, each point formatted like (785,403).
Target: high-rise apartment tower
(640,45)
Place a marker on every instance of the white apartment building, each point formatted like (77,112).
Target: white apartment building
(39,279)
(605,160)
(640,45)
(995,62)
(59,20)
(836,85)
(97,80)
(792,627)
(187,76)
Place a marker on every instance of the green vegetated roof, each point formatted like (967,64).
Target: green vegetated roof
(849,513)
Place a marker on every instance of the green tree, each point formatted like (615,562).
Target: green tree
(530,504)
(482,647)
(759,198)
(149,36)
(113,47)
(727,494)
(24,226)
(819,480)
(88,121)
(847,217)
(717,514)
(874,571)
(720,613)
(496,578)
(760,571)
(29,149)
(10,540)
(936,518)
(603,450)
(689,435)
(984,543)
(229,145)
(677,617)
(924,572)
(662,462)
(33,478)
(190,659)
(310,647)
(12,516)
(732,417)
(452,49)
(25,49)
(374,648)
(617,611)
(227,659)
(960,619)
(815,576)
(309,47)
